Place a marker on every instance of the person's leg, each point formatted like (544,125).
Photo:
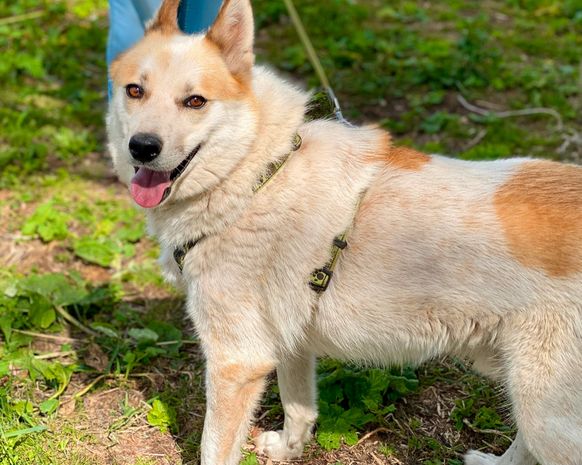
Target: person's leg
(146,9)
(125,27)
(197,15)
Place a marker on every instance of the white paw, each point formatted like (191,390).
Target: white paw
(274,445)
(474,457)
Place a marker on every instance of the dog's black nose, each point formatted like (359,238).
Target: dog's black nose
(145,147)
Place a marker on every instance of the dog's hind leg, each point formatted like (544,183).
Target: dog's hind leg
(517,454)
(544,377)
(296,378)
(543,359)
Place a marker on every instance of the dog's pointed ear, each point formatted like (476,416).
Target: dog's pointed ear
(166,19)
(233,33)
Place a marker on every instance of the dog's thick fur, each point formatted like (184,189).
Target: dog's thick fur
(482,260)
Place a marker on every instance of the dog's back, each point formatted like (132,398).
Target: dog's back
(479,259)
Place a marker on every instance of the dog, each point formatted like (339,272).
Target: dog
(429,255)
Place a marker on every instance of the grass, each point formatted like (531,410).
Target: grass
(97,364)
(405,63)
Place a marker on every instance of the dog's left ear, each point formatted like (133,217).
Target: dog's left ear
(233,33)
(166,19)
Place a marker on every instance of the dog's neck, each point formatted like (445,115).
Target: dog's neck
(280,111)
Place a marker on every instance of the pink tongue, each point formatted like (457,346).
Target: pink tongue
(147,187)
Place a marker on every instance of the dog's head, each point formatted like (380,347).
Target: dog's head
(182,106)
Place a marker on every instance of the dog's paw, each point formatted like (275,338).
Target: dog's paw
(474,457)
(274,445)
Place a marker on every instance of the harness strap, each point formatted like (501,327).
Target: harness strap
(320,278)
(274,167)
(180,252)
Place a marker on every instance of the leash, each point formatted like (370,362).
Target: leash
(315,61)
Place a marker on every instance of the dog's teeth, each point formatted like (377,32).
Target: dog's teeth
(182,166)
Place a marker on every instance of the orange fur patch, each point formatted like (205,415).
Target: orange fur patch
(405,158)
(398,157)
(232,33)
(123,71)
(217,82)
(239,374)
(166,21)
(126,67)
(237,389)
(540,210)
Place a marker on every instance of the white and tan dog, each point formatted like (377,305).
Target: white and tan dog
(444,256)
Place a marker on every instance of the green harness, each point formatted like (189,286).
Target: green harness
(319,280)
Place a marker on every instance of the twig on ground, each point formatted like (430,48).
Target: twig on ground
(486,431)
(100,378)
(20,18)
(90,386)
(67,316)
(46,336)
(371,433)
(183,341)
(475,140)
(50,355)
(574,138)
(263,415)
(72,339)
(509,113)
(376,459)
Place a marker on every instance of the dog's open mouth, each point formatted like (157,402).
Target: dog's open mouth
(150,188)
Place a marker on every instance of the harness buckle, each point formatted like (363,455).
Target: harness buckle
(320,279)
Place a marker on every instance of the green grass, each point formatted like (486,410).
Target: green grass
(53,91)
(400,63)
(404,64)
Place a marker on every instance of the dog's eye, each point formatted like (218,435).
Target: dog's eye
(134,91)
(195,101)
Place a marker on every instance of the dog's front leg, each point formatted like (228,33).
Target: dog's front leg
(296,377)
(232,392)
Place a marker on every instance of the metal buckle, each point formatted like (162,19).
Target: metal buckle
(320,279)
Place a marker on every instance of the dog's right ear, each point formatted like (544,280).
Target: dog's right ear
(233,34)
(166,19)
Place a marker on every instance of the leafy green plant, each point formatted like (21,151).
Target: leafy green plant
(250,459)
(102,235)
(351,399)
(387,450)
(47,223)
(476,411)
(162,416)
(46,302)
(102,251)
